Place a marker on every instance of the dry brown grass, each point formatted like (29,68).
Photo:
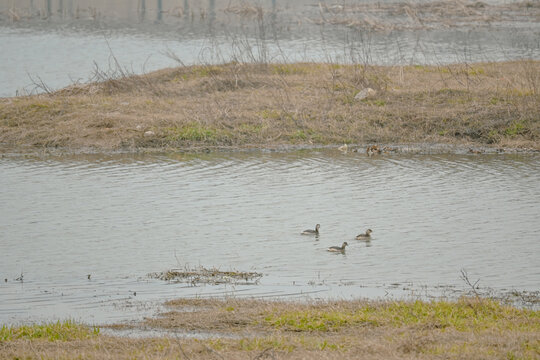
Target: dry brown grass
(399,16)
(469,328)
(238,105)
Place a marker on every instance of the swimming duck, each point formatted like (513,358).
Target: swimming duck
(338,248)
(367,235)
(373,149)
(312,232)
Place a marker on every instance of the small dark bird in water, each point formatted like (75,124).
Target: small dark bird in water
(5,280)
(365,236)
(312,232)
(338,248)
(88,276)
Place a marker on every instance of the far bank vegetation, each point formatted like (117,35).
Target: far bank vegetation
(263,105)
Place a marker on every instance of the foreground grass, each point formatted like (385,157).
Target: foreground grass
(468,328)
(62,331)
(239,105)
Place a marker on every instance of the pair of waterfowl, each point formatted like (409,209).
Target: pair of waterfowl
(364,236)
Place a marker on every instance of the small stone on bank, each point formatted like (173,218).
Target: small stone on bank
(365,93)
(149,133)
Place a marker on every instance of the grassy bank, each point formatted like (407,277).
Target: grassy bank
(238,105)
(468,328)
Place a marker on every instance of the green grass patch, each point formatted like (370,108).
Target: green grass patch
(59,331)
(250,128)
(205,71)
(317,320)
(298,135)
(476,70)
(39,106)
(464,315)
(496,100)
(195,132)
(51,108)
(519,93)
(376,102)
(517,128)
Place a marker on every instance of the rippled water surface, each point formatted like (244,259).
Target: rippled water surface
(121,217)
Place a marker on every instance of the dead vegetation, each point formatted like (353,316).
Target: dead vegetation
(398,15)
(244,10)
(469,328)
(373,16)
(264,105)
(202,275)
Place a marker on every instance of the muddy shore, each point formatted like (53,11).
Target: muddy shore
(485,107)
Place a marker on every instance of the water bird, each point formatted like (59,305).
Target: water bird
(364,236)
(373,149)
(312,232)
(338,248)
(343,148)
(89,276)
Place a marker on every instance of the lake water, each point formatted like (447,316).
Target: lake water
(61,42)
(120,217)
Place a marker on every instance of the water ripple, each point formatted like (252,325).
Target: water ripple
(121,217)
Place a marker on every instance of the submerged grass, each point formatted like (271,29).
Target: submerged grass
(468,328)
(240,105)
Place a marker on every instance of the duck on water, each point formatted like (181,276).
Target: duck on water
(365,236)
(312,232)
(338,248)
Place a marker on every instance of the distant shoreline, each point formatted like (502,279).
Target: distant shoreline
(484,107)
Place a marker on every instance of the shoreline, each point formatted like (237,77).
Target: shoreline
(353,149)
(270,107)
(471,327)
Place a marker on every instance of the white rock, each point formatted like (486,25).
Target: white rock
(343,148)
(139,127)
(365,93)
(149,133)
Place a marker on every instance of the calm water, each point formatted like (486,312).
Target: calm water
(61,42)
(121,217)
